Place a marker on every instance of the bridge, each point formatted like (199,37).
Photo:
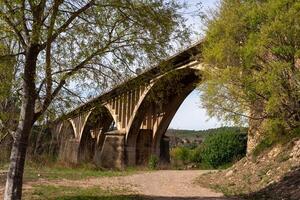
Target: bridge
(126,125)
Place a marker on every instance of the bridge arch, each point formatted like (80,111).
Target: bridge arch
(153,116)
(141,107)
(158,144)
(66,138)
(92,138)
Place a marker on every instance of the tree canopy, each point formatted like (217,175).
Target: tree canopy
(63,47)
(252,55)
(85,47)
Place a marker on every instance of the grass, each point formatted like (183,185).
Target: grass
(47,192)
(51,172)
(55,171)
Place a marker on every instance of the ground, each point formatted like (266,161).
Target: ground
(162,185)
(273,175)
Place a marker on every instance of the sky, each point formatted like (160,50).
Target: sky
(190,115)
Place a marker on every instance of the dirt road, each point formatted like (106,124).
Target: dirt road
(164,185)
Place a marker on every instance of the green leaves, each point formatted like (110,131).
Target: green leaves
(252,47)
(225,147)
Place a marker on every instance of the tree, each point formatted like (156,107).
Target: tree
(8,105)
(64,43)
(252,52)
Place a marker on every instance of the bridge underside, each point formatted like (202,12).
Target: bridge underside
(126,127)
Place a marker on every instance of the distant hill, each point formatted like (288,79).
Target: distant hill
(180,137)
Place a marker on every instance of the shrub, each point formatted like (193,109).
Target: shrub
(180,156)
(196,156)
(264,144)
(223,148)
(153,162)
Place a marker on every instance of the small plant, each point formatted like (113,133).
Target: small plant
(262,146)
(153,162)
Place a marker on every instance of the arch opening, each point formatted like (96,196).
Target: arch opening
(160,145)
(67,143)
(93,135)
(154,116)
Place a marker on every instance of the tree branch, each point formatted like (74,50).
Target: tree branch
(12,25)
(67,23)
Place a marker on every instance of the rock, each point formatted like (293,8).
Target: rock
(295,154)
(274,152)
(229,173)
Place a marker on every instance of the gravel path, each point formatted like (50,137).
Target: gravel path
(161,185)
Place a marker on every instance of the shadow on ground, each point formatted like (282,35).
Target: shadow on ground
(186,198)
(133,197)
(113,197)
(288,188)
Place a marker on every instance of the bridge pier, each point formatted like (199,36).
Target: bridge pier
(113,151)
(164,154)
(143,147)
(69,151)
(130,156)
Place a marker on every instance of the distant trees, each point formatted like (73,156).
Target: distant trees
(253,64)
(220,146)
(63,47)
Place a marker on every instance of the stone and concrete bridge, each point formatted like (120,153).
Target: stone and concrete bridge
(126,125)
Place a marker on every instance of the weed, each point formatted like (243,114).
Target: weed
(153,162)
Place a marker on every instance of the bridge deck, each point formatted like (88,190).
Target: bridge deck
(179,59)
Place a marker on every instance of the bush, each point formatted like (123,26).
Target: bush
(195,156)
(223,148)
(180,156)
(219,149)
(153,162)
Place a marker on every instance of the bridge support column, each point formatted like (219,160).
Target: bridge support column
(143,147)
(112,153)
(164,149)
(130,156)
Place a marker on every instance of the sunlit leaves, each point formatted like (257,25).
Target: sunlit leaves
(117,36)
(252,47)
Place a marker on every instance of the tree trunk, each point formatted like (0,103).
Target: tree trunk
(13,188)
(255,131)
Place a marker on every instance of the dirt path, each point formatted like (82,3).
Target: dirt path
(165,184)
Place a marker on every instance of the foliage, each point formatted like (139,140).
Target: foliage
(89,45)
(8,112)
(220,148)
(181,133)
(252,55)
(64,48)
(153,162)
(223,148)
(180,156)
(264,144)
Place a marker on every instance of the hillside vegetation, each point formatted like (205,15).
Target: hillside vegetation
(211,148)
(274,174)
(252,53)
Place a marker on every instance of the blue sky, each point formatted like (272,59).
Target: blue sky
(190,114)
